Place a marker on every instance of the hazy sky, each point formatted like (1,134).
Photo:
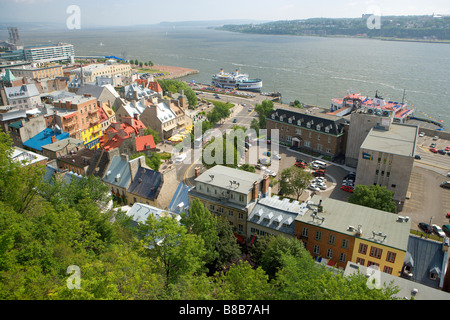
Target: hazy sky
(118,12)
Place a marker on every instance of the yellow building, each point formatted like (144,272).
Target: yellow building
(47,72)
(91,136)
(341,232)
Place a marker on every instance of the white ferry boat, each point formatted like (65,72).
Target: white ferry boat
(236,81)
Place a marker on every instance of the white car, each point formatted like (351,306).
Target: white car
(422,134)
(270,172)
(180,158)
(438,230)
(313,187)
(321,179)
(322,186)
(276,156)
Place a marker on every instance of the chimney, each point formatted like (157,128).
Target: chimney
(68,104)
(54,139)
(255,190)
(265,186)
(136,116)
(197,172)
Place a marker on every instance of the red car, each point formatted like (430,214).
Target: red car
(318,173)
(347,188)
(448,215)
(301,164)
(448,148)
(434,150)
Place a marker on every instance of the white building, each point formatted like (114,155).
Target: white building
(26,96)
(47,53)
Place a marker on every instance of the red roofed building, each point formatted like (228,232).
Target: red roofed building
(145,143)
(152,85)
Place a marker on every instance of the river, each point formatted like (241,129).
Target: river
(311,69)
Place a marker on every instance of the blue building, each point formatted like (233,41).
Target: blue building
(45,137)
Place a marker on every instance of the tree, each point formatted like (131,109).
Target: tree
(294,181)
(169,85)
(269,251)
(149,131)
(175,251)
(264,110)
(247,167)
(242,282)
(374,196)
(255,126)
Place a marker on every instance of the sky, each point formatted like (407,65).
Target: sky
(136,12)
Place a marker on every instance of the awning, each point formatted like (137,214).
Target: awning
(252,240)
(331,263)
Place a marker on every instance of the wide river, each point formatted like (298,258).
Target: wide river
(311,69)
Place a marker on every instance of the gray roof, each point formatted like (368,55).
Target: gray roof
(221,176)
(426,255)
(146,183)
(21,92)
(273,213)
(140,212)
(61,144)
(406,286)
(339,216)
(399,139)
(118,172)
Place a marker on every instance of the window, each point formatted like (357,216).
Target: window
(362,248)
(211,207)
(308,125)
(298,131)
(241,198)
(230,213)
(318,137)
(240,227)
(305,232)
(327,130)
(388,270)
(360,261)
(316,249)
(318,236)
(371,263)
(288,138)
(376,252)
(391,256)
(241,216)
(329,253)
(331,239)
(220,210)
(307,144)
(345,243)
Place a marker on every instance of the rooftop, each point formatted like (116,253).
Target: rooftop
(146,183)
(26,157)
(80,158)
(229,178)
(140,212)
(145,143)
(44,138)
(400,139)
(61,144)
(21,92)
(377,226)
(118,172)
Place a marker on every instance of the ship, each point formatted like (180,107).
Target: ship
(236,81)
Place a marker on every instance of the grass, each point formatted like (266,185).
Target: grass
(427,236)
(146,70)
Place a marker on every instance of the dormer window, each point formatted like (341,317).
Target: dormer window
(318,127)
(299,123)
(290,120)
(273,116)
(327,129)
(308,125)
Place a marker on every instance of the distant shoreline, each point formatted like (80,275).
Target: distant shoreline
(174,72)
(342,36)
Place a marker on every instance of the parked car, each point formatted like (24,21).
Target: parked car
(180,158)
(260,167)
(425,227)
(445,184)
(446,229)
(434,150)
(422,134)
(433,145)
(448,215)
(270,172)
(234,120)
(438,230)
(276,156)
(447,148)
(313,187)
(347,188)
(318,173)
(442,151)
(417,157)
(435,138)
(301,164)
(250,109)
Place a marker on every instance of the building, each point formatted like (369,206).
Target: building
(109,69)
(340,232)
(273,216)
(386,158)
(103,93)
(378,114)
(230,192)
(9,115)
(61,148)
(426,262)
(309,129)
(26,96)
(409,290)
(118,132)
(48,53)
(140,212)
(76,161)
(47,72)
(76,114)
(27,158)
(45,137)
(26,128)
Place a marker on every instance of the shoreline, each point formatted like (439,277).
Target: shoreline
(174,72)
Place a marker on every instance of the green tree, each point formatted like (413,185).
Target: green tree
(269,251)
(149,131)
(255,126)
(242,282)
(175,251)
(294,180)
(373,196)
(174,86)
(264,110)
(247,167)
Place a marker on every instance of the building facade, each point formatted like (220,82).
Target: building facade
(341,232)
(49,72)
(230,192)
(307,130)
(48,53)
